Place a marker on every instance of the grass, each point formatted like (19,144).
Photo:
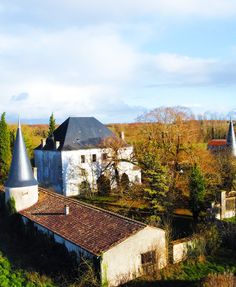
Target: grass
(10,277)
(138,209)
(231,219)
(190,272)
(32,257)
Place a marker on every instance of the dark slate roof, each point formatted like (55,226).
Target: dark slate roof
(20,174)
(231,134)
(94,229)
(78,133)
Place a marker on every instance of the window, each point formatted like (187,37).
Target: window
(148,258)
(104,156)
(82,158)
(94,158)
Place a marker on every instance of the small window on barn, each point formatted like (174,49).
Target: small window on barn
(94,157)
(82,158)
(148,258)
(104,156)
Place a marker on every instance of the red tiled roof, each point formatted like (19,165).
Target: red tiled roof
(94,229)
(220,142)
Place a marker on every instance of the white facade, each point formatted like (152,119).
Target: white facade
(123,262)
(24,196)
(65,171)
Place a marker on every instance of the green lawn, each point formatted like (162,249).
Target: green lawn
(232,219)
(190,272)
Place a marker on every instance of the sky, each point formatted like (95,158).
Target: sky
(115,60)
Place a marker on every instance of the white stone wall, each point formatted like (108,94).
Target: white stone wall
(123,262)
(49,168)
(180,250)
(133,172)
(183,247)
(65,172)
(24,196)
(74,172)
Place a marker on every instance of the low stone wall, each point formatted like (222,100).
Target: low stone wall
(226,208)
(182,248)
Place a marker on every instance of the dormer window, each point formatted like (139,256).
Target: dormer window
(94,158)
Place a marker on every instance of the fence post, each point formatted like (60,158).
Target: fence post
(222,204)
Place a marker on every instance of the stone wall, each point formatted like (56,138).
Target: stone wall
(49,166)
(226,208)
(123,262)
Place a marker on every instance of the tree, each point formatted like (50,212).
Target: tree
(197,193)
(52,125)
(124,182)
(157,188)
(5,148)
(103,185)
(227,166)
(113,146)
(171,132)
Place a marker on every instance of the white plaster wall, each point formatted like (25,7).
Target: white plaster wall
(181,248)
(123,262)
(73,170)
(180,251)
(133,172)
(24,196)
(229,213)
(49,168)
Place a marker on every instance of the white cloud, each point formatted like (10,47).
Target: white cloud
(183,70)
(79,11)
(91,53)
(90,70)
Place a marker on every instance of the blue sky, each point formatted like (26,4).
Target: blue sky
(116,59)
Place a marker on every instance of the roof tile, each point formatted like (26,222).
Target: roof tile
(94,229)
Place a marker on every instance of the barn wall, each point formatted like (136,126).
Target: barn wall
(49,168)
(123,262)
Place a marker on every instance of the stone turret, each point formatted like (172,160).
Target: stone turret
(230,141)
(21,184)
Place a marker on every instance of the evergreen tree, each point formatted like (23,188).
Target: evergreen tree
(52,125)
(5,148)
(157,188)
(197,193)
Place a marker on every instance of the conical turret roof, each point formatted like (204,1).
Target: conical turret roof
(20,174)
(231,138)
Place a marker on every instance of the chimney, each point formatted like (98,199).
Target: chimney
(66,210)
(122,135)
(35,172)
(43,143)
(57,144)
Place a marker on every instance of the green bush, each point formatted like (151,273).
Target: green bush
(18,278)
(11,206)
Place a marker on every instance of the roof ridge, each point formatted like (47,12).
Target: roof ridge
(91,206)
